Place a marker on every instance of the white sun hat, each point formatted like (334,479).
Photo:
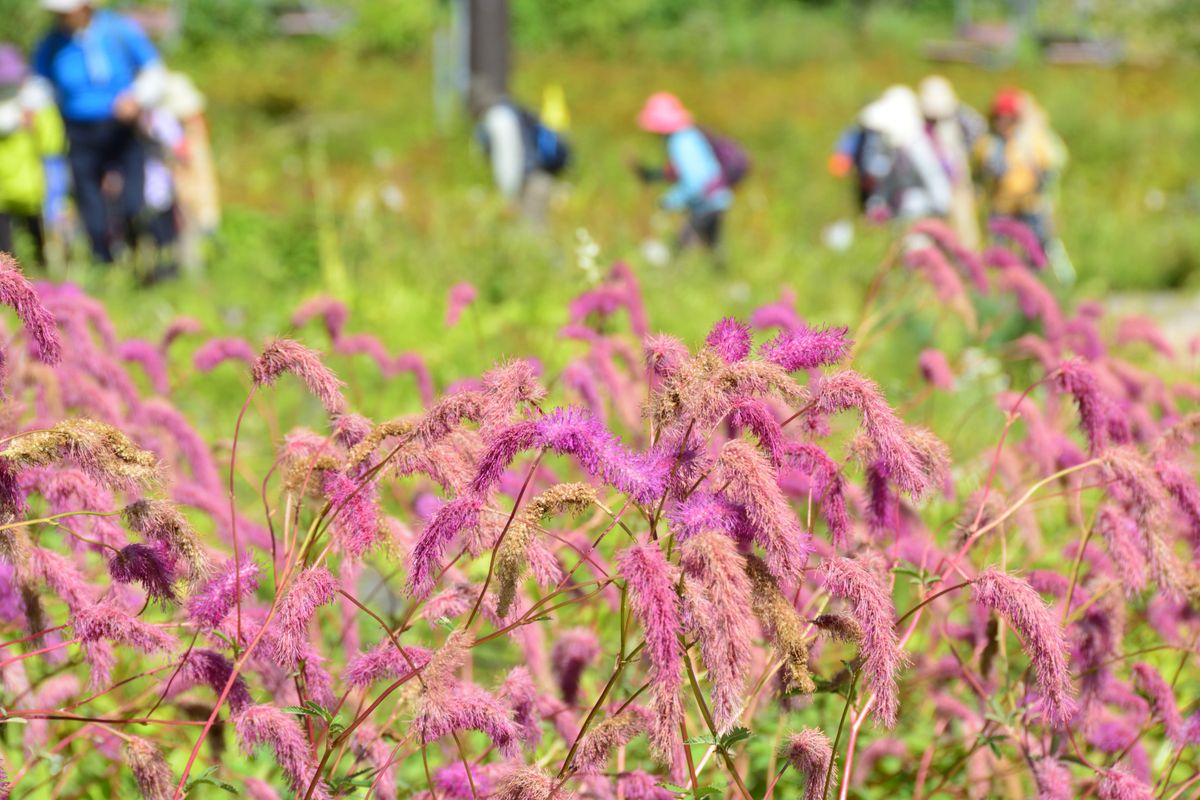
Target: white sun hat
(64,6)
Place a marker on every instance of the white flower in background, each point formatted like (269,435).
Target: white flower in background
(587,252)
(656,252)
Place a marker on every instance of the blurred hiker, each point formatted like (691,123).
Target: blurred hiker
(702,168)
(1018,161)
(953,129)
(906,179)
(525,154)
(192,168)
(860,151)
(30,132)
(93,58)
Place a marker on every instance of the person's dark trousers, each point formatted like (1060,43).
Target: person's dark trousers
(32,225)
(703,227)
(97,148)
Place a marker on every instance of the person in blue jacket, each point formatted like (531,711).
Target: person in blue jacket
(97,62)
(698,184)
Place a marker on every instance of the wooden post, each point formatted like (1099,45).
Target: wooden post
(488,37)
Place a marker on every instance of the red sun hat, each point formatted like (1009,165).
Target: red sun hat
(1008,102)
(663,113)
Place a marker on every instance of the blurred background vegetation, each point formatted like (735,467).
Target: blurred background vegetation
(338,177)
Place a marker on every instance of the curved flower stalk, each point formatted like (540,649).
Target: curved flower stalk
(285,355)
(650,582)
(217,351)
(266,725)
(720,616)
(1016,601)
(875,614)
(100,450)
(751,482)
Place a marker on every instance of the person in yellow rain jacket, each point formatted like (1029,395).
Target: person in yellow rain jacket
(30,131)
(1018,161)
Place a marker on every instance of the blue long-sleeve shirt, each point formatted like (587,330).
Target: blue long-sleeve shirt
(91,68)
(699,185)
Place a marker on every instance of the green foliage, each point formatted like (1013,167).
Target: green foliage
(226,21)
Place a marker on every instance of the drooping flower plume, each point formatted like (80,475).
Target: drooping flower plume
(1023,609)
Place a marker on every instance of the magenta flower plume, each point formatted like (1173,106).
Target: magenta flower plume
(354,509)
(946,238)
(1053,780)
(413,363)
(1162,701)
(754,415)
(807,348)
(285,355)
(574,651)
(702,512)
(875,614)
(61,575)
(312,588)
(425,559)
(453,705)
(209,605)
(109,622)
(730,339)
(751,481)
(1034,299)
(263,724)
(596,746)
(530,783)
(384,661)
(453,784)
(639,785)
(1121,536)
(178,328)
(1117,784)
(364,344)
(827,487)
(18,293)
(148,356)
(461,295)
(938,272)
(649,579)
(1101,420)
(664,354)
(211,669)
(190,444)
(935,369)
(332,313)
(915,462)
(1182,487)
(722,616)
(571,431)
(217,351)
(809,752)
(519,693)
(1134,329)
(1017,602)
(150,769)
(5,786)
(1021,235)
(137,563)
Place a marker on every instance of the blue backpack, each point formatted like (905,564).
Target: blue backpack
(549,150)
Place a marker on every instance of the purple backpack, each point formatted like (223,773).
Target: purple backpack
(735,163)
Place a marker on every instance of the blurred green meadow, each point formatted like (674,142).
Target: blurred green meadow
(338,179)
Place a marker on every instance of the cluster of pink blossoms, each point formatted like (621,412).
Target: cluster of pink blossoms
(734,565)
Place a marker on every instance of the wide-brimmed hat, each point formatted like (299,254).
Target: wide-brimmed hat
(937,97)
(13,69)
(64,6)
(663,113)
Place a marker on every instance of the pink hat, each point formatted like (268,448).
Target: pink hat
(663,113)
